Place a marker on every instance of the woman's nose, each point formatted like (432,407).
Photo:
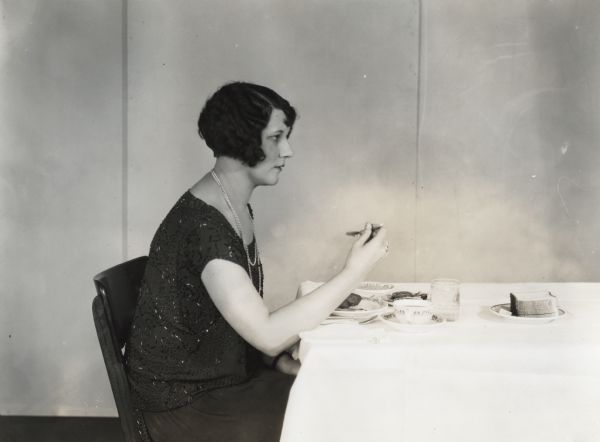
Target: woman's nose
(285,151)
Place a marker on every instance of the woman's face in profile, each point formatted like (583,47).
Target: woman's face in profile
(277,150)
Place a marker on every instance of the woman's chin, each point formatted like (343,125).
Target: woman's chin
(273,181)
(273,177)
(268,179)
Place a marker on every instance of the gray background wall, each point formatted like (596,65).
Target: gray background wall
(60,199)
(468,128)
(509,141)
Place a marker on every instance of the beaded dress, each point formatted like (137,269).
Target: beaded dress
(179,345)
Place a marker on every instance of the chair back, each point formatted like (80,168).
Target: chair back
(113,307)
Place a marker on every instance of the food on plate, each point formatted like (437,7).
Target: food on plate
(350,301)
(404,295)
(538,304)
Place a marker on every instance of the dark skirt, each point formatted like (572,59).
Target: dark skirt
(249,412)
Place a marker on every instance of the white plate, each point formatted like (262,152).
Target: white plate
(390,319)
(373,288)
(498,310)
(364,309)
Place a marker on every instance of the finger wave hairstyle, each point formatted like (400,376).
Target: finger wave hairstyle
(233,118)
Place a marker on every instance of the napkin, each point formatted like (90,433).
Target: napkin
(337,336)
(306,287)
(540,303)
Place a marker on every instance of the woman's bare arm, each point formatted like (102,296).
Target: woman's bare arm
(236,298)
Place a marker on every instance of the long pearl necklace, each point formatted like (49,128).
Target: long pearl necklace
(238,226)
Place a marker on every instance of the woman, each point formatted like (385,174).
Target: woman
(201,332)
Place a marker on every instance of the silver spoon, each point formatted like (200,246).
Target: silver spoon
(350,320)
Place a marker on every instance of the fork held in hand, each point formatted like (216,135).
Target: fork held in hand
(374,229)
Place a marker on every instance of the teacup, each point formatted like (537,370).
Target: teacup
(413,311)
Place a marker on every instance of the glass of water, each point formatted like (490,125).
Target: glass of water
(445,298)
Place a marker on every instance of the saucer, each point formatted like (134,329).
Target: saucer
(391,320)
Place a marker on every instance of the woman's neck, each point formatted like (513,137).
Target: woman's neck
(235,180)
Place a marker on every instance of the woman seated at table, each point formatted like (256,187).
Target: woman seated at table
(193,356)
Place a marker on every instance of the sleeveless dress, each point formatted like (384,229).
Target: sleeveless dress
(192,377)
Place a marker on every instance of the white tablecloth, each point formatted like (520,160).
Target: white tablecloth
(479,379)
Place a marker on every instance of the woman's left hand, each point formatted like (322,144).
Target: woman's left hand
(288,365)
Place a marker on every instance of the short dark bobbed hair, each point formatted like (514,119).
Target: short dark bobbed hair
(233,118)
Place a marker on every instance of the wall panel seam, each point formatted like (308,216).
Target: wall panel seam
(125,133)
(420,71)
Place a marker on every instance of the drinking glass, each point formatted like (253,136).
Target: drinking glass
(445,297)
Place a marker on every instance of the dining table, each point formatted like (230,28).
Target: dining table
(484,377)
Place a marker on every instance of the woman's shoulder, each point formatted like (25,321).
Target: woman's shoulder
(204,219)
(200,212)
(209,236)
(191,216)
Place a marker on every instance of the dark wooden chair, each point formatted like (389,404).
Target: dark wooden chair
(113,307)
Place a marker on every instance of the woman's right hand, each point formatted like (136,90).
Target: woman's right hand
(365,253)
